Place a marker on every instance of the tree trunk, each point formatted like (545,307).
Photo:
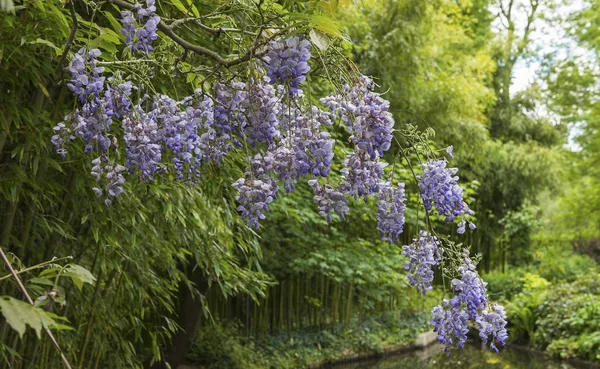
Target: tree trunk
(190,309)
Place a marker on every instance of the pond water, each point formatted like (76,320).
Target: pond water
(472,357)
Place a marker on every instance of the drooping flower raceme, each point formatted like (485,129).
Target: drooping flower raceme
(361,175)
(366,115)
(140,39)
(470,287)
(367,118)
(471,304)
(423,254)
(262,109)
(142,139)
(450,323)
(256,191)
(391,208)
(440,190)
(329,200)
(86,75)
(114,179)
(287,62)
(492,323)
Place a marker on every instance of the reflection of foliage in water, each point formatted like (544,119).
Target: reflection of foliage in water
(472,357)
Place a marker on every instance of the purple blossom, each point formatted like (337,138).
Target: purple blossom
(470,287)
(361,175)
(256,190)
(287,62)
(390,214)
(128,30)
(492,322)
(451,324)
(117,99)
(86,75)
(64,135)
(423,254)
(140,38)
(142,139)
(439,188)
(262,110)
(449,150)
(329,200)
(303,147)
(366,115)
(111,173)
(92,124)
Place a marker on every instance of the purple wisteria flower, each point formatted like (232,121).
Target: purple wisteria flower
(329,200)
(112,174)
(391,208)
(366,115)
(439,188)
(471,304)
(492,322)
(64,135)
(143,143)
(287,62)
(450,323)
(256,190)
(86,75)
(262,109)
(361,175)
(140,39)
(303,148)
(423,254)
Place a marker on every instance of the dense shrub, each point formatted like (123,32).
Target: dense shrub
(503,286)
(224,345)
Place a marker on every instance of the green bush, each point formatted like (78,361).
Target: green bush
(522,312)
(223,345)
(503,286)
(558,265)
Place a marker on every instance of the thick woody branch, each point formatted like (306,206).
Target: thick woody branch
(215,31)
(197,49)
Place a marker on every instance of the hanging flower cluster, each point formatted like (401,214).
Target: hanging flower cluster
(440,190)
(140,39)
(287,62)
(390,213)
(423,254)
(451,318)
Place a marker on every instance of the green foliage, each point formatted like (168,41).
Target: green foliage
(223,345)
(503,286)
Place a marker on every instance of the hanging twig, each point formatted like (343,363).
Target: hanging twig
(69,43)
(24,290)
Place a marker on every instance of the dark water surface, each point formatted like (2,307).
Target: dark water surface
(472,357)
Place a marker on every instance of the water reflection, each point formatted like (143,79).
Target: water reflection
(472,357)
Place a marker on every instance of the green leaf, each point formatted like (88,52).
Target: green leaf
(79,275)
(41,41)
(186,9)
(326,25)
(19,314)
(319,39)
(7,6)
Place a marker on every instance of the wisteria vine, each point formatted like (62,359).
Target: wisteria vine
(287,139)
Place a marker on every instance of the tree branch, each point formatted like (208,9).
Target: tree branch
(215,31)
(69,43)
(530,19)
(197,49)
